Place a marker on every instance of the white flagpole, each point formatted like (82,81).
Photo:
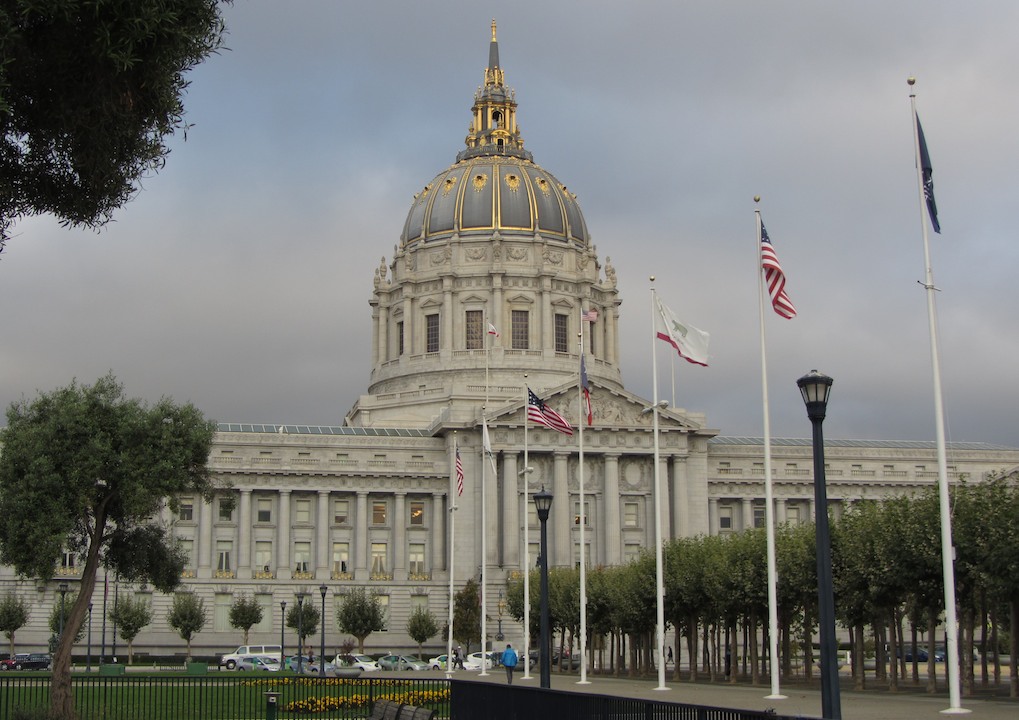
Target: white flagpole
(769,509)
(452,535)
(947,548)
(659,573)
(581,420)
(526,473)
(484,523)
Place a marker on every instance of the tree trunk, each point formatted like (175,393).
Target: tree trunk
(966,650)
(691,648)
(787,647)
(755,667)
(932,678)
(861,674)
(808,647)
(1013,649)
(893,650)
(732,653)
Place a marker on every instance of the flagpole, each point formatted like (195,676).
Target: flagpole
(581,413)
(526,473)
(484,523)
(947,548)
(769,510)
(659,579)
(452,555)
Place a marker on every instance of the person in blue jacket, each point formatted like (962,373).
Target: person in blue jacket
(509,661)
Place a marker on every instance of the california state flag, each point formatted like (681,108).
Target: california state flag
(690,343)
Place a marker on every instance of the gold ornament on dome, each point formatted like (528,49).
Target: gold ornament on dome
(513,182)
(480,180)
(448,185)
(543,186)
(424,193)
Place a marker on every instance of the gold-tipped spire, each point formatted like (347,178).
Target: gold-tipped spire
(493,29)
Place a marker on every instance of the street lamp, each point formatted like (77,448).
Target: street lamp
(63,594)
(300,632)
(502,608)
(543,503)
(322,656)
(283,630)
(88,656)
(815,388)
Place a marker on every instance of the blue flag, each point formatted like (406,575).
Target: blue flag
(928,178)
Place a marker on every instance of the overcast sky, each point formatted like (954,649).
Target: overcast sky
(239,277)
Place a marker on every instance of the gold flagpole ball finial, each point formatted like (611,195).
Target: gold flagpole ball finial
(757,198)
(911,80)
(652,278)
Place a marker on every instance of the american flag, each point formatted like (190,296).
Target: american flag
(775,278)
(459,474)
(587,390)
(542,414)
(589,316)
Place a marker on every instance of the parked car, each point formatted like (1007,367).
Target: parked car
(34,661)
(402,662)
(364,662)
(10,662)
(229,661)
(263,663)
(907,654)
(478,660)
(290,663)
(312,668)
(438,662)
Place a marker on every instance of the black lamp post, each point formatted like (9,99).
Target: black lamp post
(502,608)
(300,632)
(543,503)
(88,655)
(63,594)
(815,388)
(283,631)
(322,655)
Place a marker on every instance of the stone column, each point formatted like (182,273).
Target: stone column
(612,538)
(491,509)
(383,334)
(361,536)
(244,536)
(446,341)
(323,552)
(748,513)
(712,516)
(561,519)
(438,532)
(400,536)
(205,548)
(680,499)
(510,511)
(663,462)
(780,510)
(283,569)
(611,338)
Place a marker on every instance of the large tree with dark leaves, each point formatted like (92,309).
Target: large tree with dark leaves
(89,92)
(87,470)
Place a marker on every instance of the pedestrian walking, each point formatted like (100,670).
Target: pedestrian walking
(509,661)
(458,658)
(668,658)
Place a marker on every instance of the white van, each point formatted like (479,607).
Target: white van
(229,661)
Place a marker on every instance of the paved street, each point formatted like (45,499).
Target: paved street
(877,704)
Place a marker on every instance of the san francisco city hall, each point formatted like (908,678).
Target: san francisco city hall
(493,238)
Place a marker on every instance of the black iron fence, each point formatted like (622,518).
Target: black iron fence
(472,700)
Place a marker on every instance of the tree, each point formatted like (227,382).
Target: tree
(245,613)
(421,626)
(89,92)
(304,619)
(13,616)
(58,625)
(467,614)
(131,616)
(87,470)
(360,614)
(187,616)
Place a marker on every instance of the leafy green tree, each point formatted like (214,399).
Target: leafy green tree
(245,613)
(360,614)
(304,619)
(131,616)
(13,616)
(89,92)
(56,625)
(85,469)
(421,626)
(187,616)
(467,614)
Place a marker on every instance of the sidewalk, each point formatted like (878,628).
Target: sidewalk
(876,704)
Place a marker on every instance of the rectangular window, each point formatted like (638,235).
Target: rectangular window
(341,557)
(341,511)
(302,511)
(631,552)
(418,602)
(379,558)
(576,555)
(379,508)
(399,338)
(302,557)
(630,517)
(264,510)
(187,510)
(226,509)
(263,556)
(223,550)
(67,560)
(417,512)
(187,546)
(725,518)
(384,606)
(792,514)
(221,613)
(562,333)
(587,513)
(760,518)
(416,558)
(432,333)
(520,329)
(591,335)
(475,339)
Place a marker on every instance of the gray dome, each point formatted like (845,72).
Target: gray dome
(486,193)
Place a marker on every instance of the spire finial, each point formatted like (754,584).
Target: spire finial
(493,29)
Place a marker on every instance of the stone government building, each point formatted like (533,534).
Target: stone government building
(494,238)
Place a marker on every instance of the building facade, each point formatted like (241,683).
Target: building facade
(482,298)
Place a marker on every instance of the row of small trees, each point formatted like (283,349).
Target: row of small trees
(887,573)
